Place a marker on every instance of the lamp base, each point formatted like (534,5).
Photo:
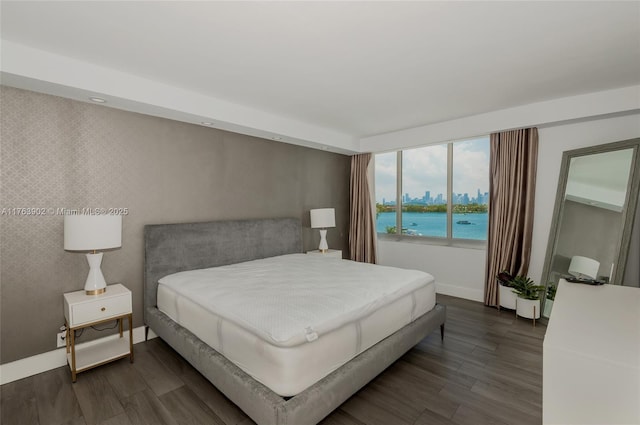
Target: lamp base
(95,283)
(96,291)
(324,247)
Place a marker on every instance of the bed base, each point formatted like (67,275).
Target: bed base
(170,248)
(310,406)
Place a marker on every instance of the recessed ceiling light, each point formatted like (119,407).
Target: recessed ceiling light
(207,123)
(97,99)
(276,138)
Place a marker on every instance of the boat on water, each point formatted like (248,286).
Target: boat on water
(464,222)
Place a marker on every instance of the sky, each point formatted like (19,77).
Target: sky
(425,169)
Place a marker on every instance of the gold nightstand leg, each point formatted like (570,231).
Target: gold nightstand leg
(73,355)
(131,336)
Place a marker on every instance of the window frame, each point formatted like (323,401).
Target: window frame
(449,240)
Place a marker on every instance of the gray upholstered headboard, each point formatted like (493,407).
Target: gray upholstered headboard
(171,248)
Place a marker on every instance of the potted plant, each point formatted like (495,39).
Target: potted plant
(551,296)
(505,290)
(528,302)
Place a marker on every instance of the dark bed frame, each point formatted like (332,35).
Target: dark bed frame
(170,248)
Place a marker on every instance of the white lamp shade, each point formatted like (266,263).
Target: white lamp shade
(583,266)
(92,232)
(322,218)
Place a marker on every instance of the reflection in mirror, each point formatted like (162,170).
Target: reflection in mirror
(591,220)
(632,269)
(594,212)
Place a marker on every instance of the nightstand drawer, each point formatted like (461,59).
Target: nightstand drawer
(100,309)
(80,308)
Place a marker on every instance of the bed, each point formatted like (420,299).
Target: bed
(174,251)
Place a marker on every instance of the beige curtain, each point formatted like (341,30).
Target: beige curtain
(362,231)
(513,163)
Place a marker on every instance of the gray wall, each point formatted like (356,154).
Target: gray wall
(59,153)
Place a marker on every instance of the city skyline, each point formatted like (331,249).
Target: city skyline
(426,167)
(458,198)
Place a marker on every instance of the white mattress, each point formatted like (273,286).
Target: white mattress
(288,321)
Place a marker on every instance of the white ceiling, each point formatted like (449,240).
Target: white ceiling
(353,68)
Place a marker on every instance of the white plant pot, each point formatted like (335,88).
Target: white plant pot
(528,308)
(507,297)
(548,305)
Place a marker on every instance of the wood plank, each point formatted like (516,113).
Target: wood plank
(120,419)
(527,378)
(447,371)
(145,408)
(22,388)
(55,397)
(456,350)
(158,378)
(187,408)
(417,387)
(76,421)
(467,415)
(365,407)
(96,397)
(168,357)
(340,417)
(19,404)
(429,417)
(18,410)
(527,401)
(496,410)
(124,378)
(224,408)
(219,404)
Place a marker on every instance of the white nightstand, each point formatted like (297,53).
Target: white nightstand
(82,311)
(332,253)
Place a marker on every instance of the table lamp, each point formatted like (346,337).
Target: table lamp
(83,232)
(322,218)
(582,267)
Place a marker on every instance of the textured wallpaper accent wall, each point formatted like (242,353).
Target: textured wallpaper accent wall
(59,153)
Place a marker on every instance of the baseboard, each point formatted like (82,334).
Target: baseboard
(460,291)
(39,363)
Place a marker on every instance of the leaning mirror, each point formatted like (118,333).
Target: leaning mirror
(593,216)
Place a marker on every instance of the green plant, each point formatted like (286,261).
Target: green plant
(527,288)
(551,291)
(505,279)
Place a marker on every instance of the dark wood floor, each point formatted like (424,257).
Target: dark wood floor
(488,370)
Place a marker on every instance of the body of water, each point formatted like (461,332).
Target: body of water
(465,226)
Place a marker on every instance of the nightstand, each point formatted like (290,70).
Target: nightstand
(331,253)
(82,311)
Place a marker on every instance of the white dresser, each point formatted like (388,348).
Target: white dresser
(591,363)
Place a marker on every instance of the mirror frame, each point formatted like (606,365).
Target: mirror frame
(628,212)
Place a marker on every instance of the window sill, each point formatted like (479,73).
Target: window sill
(424,240)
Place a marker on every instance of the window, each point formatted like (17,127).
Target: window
(386,179)
(442,191)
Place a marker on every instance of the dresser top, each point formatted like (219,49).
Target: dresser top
(600,322)
(113,290)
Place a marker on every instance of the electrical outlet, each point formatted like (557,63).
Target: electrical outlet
(60,339)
